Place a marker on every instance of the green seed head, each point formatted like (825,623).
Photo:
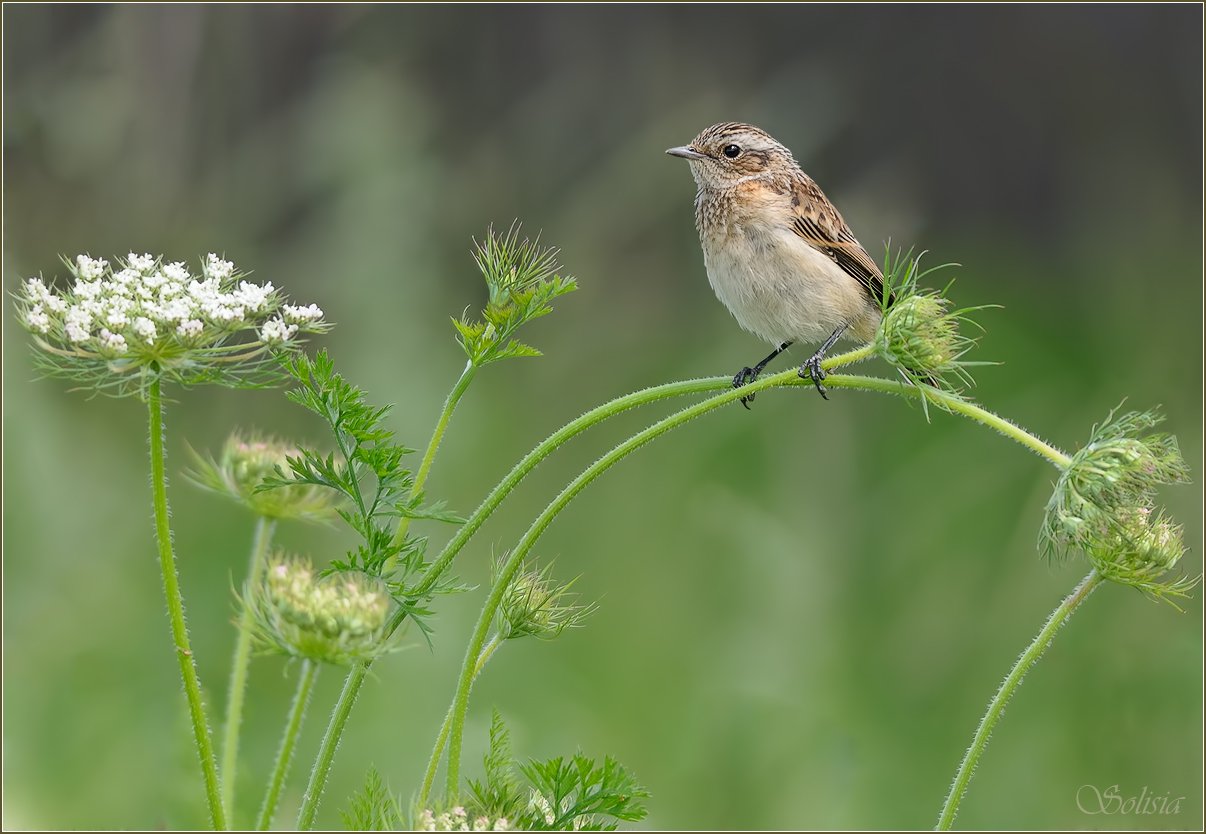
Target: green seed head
(247,462)
(336,618)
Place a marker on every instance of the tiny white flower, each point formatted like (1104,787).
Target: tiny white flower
(253,296)
(190,328)
(204,291)
(114,342)
(124,277)
(145,328)
(38,319)
(117,318)
(308,313)
(275,330)
(36,290)
(215,267)
(218,311)
(176,271)
(142,263)
(177,309)
(90,269)
(76,332)
(88,289)
(55,303)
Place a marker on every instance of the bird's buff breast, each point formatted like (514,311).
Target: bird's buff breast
(780,288)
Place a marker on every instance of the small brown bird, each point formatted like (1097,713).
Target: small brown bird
(778,254)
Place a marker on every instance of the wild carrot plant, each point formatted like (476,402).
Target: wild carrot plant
(130,330)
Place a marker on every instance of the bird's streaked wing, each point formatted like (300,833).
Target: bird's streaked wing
(819,224)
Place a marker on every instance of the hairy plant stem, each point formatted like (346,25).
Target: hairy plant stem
(359,670)
(264,528)
(996,707)
(175,603)
(434,763)
(433,445)
(515,560)
(284,756)
(330,741)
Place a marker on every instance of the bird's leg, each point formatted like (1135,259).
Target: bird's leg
(812,368)
(747,375)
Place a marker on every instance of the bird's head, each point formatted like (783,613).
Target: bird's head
(730,152)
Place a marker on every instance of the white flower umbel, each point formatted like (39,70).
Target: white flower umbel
(114,321)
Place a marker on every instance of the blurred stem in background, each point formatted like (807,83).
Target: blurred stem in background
(1012,681)
(264,529)
(297,712)
(171,589)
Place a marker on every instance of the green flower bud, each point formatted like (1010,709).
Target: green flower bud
(920,335)
(337,618)
(535,606)
(246,463)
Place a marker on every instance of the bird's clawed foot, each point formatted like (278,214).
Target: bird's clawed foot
(744,377)
(812,370)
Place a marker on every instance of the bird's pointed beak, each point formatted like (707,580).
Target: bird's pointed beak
(686,152)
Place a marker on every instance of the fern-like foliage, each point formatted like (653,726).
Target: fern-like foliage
(369,472)
(522,281)
(578,794)
(373,807)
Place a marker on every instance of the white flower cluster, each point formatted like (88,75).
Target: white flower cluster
(458,820)
(145,304)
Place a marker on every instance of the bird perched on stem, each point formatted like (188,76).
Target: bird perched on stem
(778,254)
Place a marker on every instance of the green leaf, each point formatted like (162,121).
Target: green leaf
(373,807)
(582,795)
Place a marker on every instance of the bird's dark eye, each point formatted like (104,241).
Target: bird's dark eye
(731,151)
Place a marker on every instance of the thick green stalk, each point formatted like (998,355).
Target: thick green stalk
(175,603)
(330,741)
(790,377)
(433,763)
(997,706)
(297,714)
(264,528)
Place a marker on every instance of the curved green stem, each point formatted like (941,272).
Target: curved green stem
(297,714)
(264,528)
(433,763)
(790,377)
(433,445)
(597,415)
(175,603)
(997,706)
(330,741)
(956,404)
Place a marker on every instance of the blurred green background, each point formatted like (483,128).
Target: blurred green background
(804,609)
